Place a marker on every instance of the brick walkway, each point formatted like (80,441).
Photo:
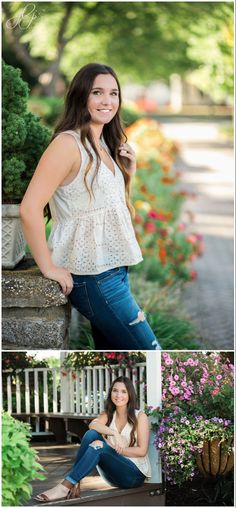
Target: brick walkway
(208,170)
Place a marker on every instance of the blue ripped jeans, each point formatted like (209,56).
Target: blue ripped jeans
(116,319)
(117,469)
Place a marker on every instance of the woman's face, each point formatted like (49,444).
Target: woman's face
(103,100)
(119,395)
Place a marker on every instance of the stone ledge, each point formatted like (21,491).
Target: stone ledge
(35,312)
(28,288)
(34,335)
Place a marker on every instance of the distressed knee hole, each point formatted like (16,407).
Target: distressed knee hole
(154,343)
(139,318)
(96,444)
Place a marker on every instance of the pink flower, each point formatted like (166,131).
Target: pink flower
(174,390)
(191,239)
(181,227)
(168,361)
(190,361)
(219,376)
(215,392)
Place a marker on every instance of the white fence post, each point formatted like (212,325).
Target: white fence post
(65,391)
(18,395)
(27,392)
(9,394)
(154,399)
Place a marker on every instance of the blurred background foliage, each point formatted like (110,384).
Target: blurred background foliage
(143,41)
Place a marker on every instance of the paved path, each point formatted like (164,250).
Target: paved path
(208,170)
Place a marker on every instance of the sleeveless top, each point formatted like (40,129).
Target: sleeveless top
(142,463)
(92,235)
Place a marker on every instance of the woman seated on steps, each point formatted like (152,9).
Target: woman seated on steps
(117,444)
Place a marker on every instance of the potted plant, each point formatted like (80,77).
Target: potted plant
(194,428)
(24,139)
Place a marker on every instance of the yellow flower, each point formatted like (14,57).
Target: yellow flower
(142,205)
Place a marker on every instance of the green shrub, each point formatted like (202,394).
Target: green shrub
(24,139)
(49,109)
(19,462)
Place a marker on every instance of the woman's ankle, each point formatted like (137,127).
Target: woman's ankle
(67,484)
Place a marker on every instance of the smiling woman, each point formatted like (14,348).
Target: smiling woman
(85,176)
(116,444)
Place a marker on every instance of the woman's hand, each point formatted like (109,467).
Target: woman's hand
(62,276)
(128,156)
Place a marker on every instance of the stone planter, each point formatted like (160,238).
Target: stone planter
(13,242)
(213,460)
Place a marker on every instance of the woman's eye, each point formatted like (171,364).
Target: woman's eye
(96,92)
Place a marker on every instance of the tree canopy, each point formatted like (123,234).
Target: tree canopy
(143,41)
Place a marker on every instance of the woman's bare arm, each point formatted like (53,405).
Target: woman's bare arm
(142,439)
(99,424)
(53,168)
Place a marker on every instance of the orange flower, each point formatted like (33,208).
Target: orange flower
(162,255)
(168,180)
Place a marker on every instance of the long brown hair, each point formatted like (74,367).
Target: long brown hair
(76,116)
(131,406)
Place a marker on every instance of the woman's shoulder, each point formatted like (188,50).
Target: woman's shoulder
(139,413)
(68,134)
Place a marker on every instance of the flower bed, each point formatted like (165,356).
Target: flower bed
(168,248)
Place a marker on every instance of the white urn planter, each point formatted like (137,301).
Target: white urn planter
(13,241)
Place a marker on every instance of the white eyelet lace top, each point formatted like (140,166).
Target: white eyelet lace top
(142,463)
(90,236)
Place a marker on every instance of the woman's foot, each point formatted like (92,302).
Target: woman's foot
(54,494)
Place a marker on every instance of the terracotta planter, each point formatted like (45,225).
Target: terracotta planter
(214,460)
(13,242)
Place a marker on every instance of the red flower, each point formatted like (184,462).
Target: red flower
(153,214)
(138,219)
(119,357)
(150,227)
(110,355)
(193,274)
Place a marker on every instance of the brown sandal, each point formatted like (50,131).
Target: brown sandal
(55,494)
(74,492)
